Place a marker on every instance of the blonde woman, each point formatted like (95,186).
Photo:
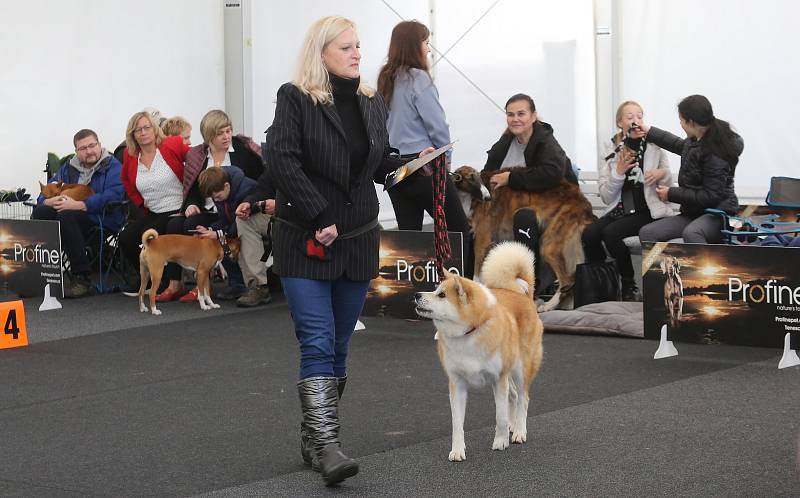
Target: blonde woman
(220,147)
(152,174)
(628,176)
(326,144)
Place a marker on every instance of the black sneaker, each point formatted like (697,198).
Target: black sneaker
(80,286)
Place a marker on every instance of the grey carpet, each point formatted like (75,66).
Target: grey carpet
(207,404)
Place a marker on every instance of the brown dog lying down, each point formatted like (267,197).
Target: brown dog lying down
(75,191)
(193,253)
(562,212)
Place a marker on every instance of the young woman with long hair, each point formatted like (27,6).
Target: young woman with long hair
(417,124)
(709,156)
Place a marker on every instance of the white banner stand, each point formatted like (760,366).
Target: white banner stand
(665,347)
(49,302)
(359,326)
(790,358)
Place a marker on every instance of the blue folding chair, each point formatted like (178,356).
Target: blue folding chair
(784,196)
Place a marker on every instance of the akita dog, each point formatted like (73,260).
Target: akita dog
(489,332)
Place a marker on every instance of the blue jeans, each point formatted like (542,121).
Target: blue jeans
(324,313)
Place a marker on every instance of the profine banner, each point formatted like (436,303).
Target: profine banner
(31,258)
(408,265)
(722,294)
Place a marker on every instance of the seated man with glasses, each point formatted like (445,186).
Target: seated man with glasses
(94,166)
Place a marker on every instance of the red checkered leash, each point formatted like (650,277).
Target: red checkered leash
(441,241)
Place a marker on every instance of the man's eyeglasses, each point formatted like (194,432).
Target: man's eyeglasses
(87,147)
(142,129)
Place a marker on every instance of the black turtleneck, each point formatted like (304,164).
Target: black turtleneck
(346,102)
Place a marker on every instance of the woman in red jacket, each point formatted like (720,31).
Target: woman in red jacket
(152,173)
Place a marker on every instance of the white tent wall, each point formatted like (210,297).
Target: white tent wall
(536,47)
(738,54)
(92,64)
(541,48)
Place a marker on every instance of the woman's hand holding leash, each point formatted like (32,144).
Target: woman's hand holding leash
(426,170)
(327,235)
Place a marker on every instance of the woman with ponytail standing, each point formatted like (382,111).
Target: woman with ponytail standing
(417,125)
(709,156)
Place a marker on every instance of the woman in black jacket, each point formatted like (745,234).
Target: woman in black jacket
(327,142)
(709,156)
(539,163)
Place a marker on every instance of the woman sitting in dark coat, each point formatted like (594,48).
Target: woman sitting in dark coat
(539,163)
(709,156)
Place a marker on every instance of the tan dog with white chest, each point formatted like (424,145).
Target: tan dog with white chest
(489,332)
(193,253)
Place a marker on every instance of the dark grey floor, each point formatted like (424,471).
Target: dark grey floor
(205,403)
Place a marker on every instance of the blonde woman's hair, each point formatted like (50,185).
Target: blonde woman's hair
(130,141)
(310,76)
(618,136)
(212,122)
(175,126)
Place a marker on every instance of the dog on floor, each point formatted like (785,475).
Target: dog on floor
(193,253)
(562,213)
(489,332)
(75,191)
(673,289)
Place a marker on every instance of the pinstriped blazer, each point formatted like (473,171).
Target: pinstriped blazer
(308,163)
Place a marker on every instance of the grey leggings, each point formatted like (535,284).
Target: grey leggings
(704,229)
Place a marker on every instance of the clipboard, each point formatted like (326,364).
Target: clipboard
(407,169)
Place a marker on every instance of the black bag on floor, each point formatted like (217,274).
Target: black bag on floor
(596,283)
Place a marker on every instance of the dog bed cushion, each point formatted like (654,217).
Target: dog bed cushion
(609,318)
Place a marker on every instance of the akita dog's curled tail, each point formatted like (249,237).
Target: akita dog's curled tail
(489,332)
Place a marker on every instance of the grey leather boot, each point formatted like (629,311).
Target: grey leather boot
(319,400)
(305,440)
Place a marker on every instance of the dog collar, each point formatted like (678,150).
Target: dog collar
(223,241)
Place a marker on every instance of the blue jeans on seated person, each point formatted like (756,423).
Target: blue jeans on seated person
(324,314)
(780,240)
(235,278)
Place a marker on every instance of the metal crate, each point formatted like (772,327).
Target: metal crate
(15,210)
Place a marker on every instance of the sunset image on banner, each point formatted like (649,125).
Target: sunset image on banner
(748,296)
(30,258)
(407,265)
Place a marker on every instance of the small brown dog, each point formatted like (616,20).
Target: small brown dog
(193,253)
(75,191)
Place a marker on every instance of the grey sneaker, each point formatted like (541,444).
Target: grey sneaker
(254,296)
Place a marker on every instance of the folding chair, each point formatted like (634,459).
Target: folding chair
(784,196)
(105,252)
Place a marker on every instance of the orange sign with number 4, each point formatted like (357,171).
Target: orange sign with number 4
(12,317)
